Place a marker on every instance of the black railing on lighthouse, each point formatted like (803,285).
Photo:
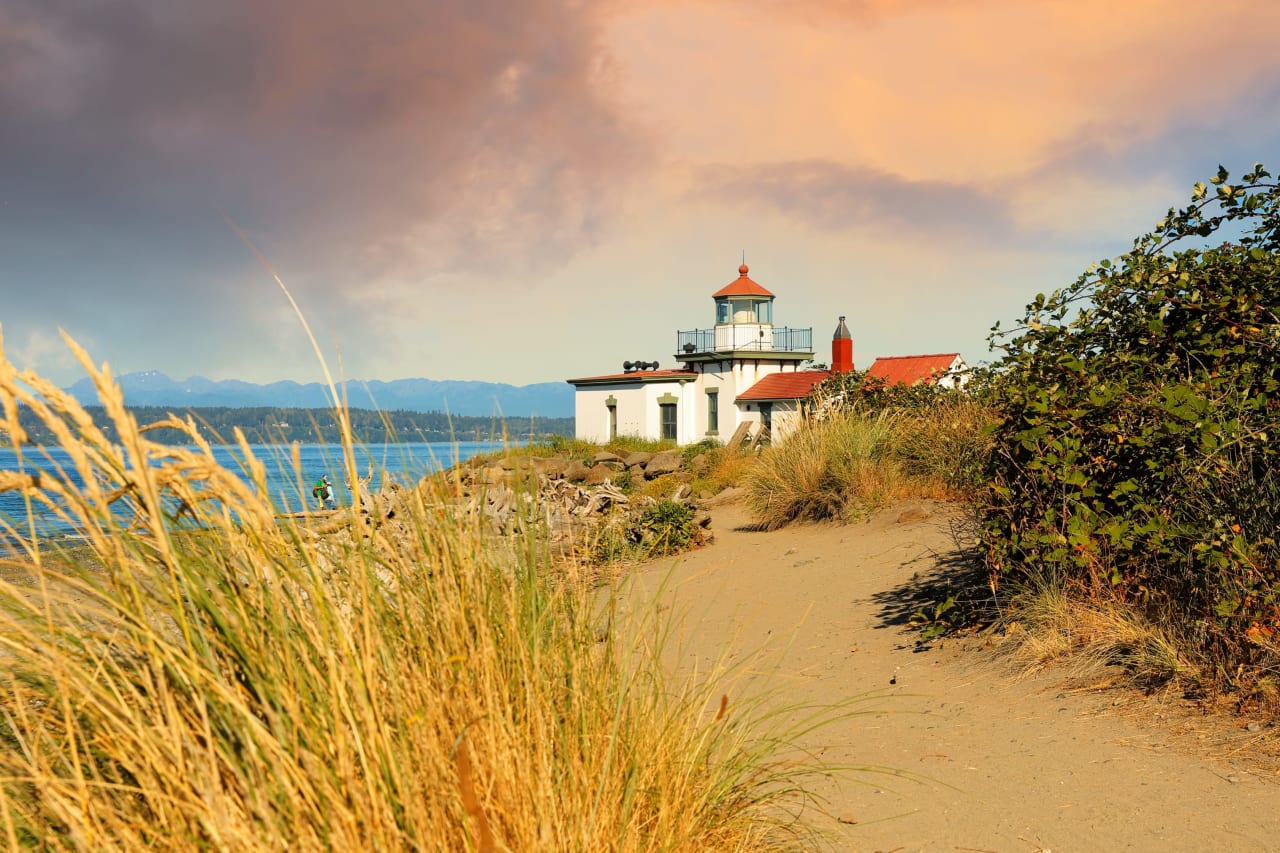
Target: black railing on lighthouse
(784,340)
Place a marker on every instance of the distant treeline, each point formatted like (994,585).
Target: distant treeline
(272,425)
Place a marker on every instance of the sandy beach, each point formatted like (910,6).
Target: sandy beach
(972,754)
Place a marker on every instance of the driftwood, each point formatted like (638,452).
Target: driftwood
(512,498)
(740,435)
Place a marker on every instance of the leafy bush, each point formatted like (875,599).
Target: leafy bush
(706,446)
(856,389)
(667,527)
(1138,444)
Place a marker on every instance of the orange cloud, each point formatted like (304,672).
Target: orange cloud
(945,91)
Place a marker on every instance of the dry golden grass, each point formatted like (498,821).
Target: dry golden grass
(945,446)
(832,469)
(1044,624)
(204,675)
(855,461)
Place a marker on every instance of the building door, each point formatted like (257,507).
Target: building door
(766,415)
(668,413)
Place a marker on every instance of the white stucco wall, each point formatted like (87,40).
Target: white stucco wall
(786,420)
(639,413)
(637,405)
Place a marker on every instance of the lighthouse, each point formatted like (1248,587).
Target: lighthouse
(742,374)
(717,365)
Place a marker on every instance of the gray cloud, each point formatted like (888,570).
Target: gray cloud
(398,141)
(837,197)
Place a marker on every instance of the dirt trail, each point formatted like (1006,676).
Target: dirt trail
(990,762)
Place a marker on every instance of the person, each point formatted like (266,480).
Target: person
(323,492)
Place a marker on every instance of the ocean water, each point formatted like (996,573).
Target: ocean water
(405,463)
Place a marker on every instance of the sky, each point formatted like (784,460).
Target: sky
(531,190)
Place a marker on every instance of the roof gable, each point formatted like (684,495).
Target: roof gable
(912,369)
(791,385)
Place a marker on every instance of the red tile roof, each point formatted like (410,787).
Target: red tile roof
(638,376)
(910,369)
(741,286)
(791,385)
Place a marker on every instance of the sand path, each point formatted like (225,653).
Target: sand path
(990,762)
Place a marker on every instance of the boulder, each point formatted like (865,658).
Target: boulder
(606,456)
(637,458)
(575,471)
(598,474)
(666,462)
(553,467)
(728,496)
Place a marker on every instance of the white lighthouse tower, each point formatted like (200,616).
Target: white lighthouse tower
(699,399)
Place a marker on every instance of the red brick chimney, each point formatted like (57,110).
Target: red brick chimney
(841,349)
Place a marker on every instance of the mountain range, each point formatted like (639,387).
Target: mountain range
(152,388)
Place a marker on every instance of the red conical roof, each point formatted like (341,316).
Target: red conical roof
(741,286)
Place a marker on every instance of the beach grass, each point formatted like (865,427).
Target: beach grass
(859,459)
(198,672)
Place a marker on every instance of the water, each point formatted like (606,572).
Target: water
(405,463)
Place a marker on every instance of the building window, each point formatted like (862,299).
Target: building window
(668,411)
(713,412)
(722,311)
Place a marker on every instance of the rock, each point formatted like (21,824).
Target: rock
(598,474)
(575,471)
(699,463)
(491,475)
(637,458)
(915,513)
(666,462)
(606,456)
(728,496)
(682,493)
(552,467)
(702,518)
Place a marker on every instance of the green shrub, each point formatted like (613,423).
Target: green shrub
(706,446)
(1138,443)
(667,527)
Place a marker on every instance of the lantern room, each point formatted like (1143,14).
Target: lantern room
(744,315)
(743,301)
(744,324)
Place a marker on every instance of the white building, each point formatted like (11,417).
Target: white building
(742,370)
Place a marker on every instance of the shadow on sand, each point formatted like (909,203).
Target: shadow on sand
(950,590)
